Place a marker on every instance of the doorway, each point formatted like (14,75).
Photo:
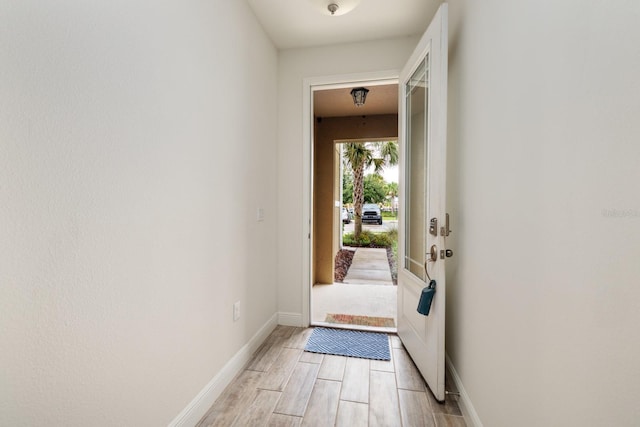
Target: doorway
(432,50)
(336,123)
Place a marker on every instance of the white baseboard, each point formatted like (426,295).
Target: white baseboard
(468,411)
(199,406)
(290,319)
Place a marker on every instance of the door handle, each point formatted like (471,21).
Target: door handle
(433,253)
(445,231)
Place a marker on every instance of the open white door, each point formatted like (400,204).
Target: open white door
(423,123)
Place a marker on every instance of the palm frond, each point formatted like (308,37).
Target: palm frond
(389,152)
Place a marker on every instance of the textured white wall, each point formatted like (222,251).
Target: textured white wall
(544,162)
(293,67)
(137,140)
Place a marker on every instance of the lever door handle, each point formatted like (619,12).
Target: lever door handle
(445,231)
(433,253)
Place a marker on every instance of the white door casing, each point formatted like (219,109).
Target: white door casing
(310,85)
(422,137)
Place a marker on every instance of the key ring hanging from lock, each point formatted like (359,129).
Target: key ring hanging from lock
(433,257)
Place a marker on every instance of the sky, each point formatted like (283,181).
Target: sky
(390,173)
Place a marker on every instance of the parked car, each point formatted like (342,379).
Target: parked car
(371,213)
(346,216)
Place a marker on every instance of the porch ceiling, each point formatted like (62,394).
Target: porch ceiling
(382,99)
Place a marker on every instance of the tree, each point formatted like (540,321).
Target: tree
(374,189)
(360,156)
(391,190)
(347,186)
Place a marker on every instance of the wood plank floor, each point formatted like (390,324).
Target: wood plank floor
(284,386)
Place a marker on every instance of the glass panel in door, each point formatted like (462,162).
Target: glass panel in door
(416,176)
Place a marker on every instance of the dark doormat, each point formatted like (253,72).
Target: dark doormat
(344,342)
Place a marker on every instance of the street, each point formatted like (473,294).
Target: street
(387,224)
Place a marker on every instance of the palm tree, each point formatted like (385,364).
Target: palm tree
(360,156)
(392,192)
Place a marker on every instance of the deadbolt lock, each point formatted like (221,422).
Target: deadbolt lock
(446,252)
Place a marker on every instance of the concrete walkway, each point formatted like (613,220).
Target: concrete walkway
(369,267)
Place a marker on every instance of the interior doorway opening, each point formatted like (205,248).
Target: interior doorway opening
(362,301)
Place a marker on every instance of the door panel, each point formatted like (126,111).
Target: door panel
(422,121)
(416,321)
(415,172)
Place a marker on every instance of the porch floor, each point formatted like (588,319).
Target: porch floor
(361,300)
(367,291)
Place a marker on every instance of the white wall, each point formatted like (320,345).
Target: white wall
(137,140)
(544,166)
(293,67)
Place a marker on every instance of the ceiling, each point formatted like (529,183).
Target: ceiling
(305,23)
(381,99)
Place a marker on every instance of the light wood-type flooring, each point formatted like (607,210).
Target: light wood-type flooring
(285,386)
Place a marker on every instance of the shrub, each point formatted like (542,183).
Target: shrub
(393,234)
(392,256)
(374,240)
(394,248)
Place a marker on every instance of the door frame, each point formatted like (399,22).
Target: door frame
(310,85)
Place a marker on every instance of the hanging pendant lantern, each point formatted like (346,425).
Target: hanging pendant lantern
(359,95)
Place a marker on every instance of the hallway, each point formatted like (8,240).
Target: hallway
(284,386)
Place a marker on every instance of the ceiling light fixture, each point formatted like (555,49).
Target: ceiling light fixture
(359,95)
(333,7)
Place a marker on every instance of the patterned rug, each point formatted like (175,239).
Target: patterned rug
(350,319)
(345,342)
